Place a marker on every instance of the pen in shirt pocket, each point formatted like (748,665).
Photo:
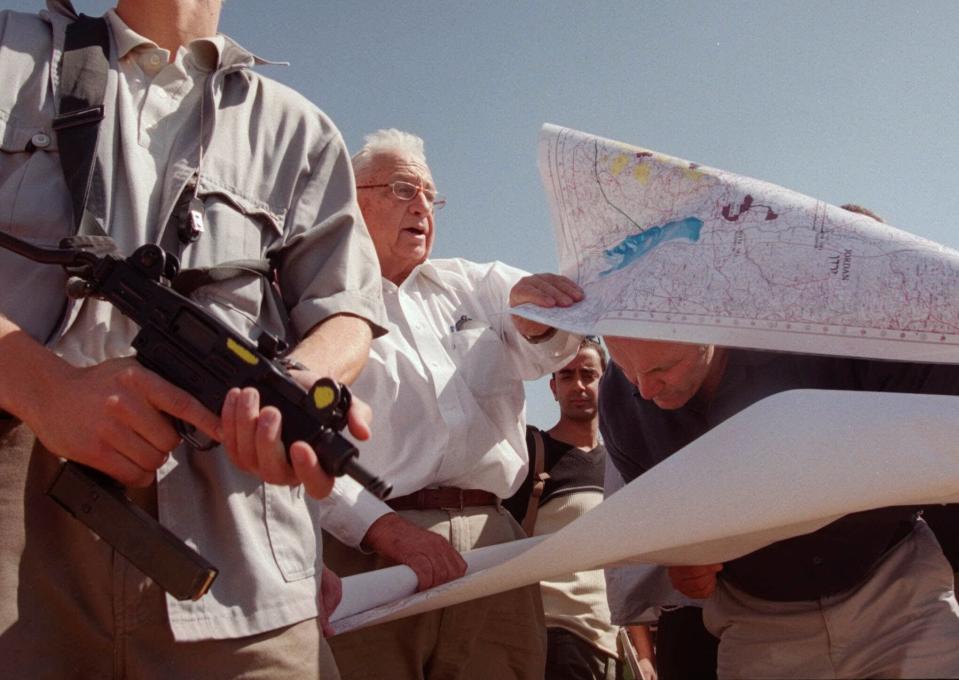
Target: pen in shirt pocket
(465,323)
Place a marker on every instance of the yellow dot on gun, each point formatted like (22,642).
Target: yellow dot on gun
(242,352)
(323,396)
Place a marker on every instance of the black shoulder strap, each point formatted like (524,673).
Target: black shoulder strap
(188,280)
(83,82)
(537,465)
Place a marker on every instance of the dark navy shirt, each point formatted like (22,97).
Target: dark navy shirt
(638,435)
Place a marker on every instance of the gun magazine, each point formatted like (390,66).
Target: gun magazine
(100,504)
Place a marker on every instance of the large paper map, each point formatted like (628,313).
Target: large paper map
(668,249)
(731,500)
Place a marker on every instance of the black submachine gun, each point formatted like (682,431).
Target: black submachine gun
(190,348)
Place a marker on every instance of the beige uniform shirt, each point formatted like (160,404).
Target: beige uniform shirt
(275,178)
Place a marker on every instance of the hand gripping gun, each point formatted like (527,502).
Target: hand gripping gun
(187,346)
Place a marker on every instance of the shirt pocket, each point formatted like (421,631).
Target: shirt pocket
(34,199)
(291,531)
(482,359)
(237,229)
(34,206)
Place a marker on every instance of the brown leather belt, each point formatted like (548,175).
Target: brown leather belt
(443,497)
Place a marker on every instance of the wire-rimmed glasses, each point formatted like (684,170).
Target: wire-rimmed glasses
(407,191)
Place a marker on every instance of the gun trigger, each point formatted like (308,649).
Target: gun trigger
(270,345)
(198,441)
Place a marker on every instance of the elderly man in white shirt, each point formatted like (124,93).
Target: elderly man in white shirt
(446,384)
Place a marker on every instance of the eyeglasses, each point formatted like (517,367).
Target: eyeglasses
(405,191)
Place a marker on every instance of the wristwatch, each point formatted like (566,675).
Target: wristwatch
(542,337)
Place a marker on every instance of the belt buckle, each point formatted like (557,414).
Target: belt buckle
(462,506)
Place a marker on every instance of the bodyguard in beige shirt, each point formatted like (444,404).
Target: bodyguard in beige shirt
(185,116)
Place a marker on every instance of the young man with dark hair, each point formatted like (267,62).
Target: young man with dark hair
(565,480)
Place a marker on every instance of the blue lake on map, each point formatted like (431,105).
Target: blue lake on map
(634,247)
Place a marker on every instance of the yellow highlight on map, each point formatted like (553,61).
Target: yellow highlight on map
(618,164)
(641,173)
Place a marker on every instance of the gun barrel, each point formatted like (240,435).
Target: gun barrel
(368,480)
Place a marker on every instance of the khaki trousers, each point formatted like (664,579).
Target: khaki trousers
(70,607)
(903,622)
(498,637)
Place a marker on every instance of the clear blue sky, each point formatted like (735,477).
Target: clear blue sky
(844,101)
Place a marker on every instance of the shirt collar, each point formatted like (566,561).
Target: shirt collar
(425,269)
(210,54)
(228,53)
(429,270)
(126,38)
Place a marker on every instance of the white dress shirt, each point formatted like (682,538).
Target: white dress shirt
(446,388)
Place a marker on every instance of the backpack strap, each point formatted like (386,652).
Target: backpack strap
(539,481)
(83,82)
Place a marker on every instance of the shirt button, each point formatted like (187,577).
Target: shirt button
(817,561)
(41,140)
(155,59)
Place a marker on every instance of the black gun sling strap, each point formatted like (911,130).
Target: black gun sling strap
(83,83)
